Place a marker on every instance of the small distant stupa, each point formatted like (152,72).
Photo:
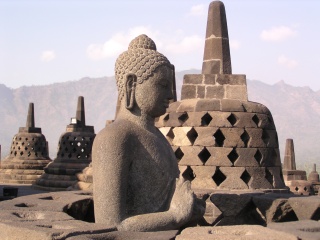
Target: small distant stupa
(74,154)
(295,179)
(28,154)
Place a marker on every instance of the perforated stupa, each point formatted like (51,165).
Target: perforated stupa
(28,154)
(220,139)
(74,154)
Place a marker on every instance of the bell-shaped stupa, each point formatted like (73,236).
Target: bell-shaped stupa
(220,139)
(28,154)
(74,154)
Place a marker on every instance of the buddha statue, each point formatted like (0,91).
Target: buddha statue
(136,184)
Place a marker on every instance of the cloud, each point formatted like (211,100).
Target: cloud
(118,43)
(198,10)
(185,45)
(289,63)
(47,56)
(277,34)
(234,44)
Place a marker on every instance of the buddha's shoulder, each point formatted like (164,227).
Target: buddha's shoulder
(117,131)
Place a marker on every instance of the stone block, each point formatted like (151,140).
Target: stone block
(188,91)
(300,187)
(305,229)
(194,119)
(231,79)
(256,140)
(210,79)
(233,137)
(192,79)
(172,120)
(173,106)
(237,232)
(246,157)
(205,136)
(244,120)
(230,204)
(258,178)
(230,105)
(256,108)
(168,133)
(270,137)
(184,136)
(238,92)
(290,175)
(190,156)
(219,119)
(207,105)
(203,179)
(212,213)
(215,92)
(265,121)
(233,178)
(219,157)
(306,208)
(201,91)
(187,105)
(212,66)
(275,207)
(277,177)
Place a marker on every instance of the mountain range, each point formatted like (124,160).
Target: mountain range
(296,111)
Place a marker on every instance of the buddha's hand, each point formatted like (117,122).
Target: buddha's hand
(182,202)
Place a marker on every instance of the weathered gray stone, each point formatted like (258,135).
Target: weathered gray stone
(231,79)
(188,91)
(203,179)
(208,105)
(233,137)
(306,208)
(210,79)
(238,232)
(192,79)
(258,178)
(187,105)
(134,167)
(246,158)
(215,92)
(219,157)
(233,178)
(305,229)
(205,136)
(237,92)
(230,105)
(191,156)
(289,162)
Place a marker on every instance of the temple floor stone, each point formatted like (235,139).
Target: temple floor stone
(304,229)
(243,232)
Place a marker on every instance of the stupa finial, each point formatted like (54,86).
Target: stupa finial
(30,117)
(216,57)
(289,162)
(80,115)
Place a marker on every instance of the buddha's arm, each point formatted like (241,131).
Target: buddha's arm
(179,213)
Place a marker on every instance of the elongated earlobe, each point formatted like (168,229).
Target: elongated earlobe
(130,87)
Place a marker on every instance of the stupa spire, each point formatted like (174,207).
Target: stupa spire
(80,114)
(289,162)
(30,117)
(216,57)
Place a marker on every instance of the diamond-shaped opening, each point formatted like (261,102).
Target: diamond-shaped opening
(69,155)
(204,155)
(179,154)
(245,138)
(166,118)
(170,134)
(219,138)
(218,177)
(206,119)
(188,174)
(258,156)
(269,177)
(296,189)
(183,117)
(256,120)
(192,135)
(265,137)
(245,176)
(305,188)
(233,156)
(232,119)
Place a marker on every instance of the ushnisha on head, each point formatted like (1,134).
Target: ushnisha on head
(141,60)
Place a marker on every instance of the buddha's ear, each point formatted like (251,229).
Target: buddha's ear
(130,87)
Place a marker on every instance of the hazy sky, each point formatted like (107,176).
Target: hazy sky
(43,42)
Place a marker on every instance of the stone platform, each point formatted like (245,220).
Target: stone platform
(69,215)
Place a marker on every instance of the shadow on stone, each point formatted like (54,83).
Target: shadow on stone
(81,210)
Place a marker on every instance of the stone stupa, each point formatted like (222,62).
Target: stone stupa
(220,139)
(74,154)
(28,154)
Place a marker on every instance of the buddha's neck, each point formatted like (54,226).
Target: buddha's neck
(136,116)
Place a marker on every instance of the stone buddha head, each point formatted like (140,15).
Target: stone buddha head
(144,78)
